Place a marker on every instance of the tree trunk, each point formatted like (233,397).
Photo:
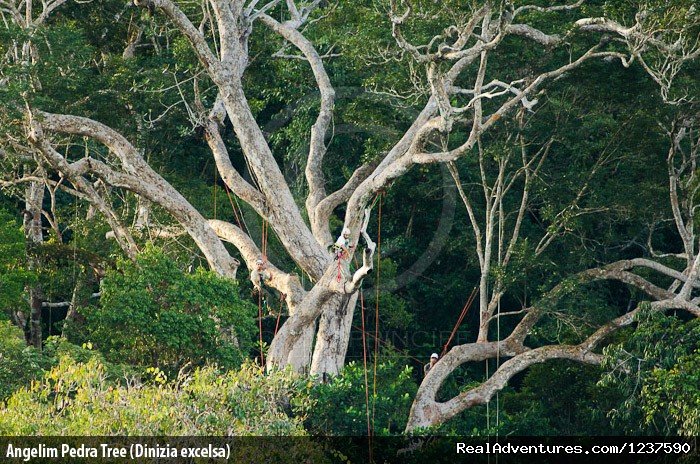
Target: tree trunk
(333,336)
(299,357)
(285,217)
(293,336)
(483,307)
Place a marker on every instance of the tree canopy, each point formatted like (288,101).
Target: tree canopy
(297,198)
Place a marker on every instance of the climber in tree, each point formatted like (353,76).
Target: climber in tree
(260,275)
(433,359)
(342,245)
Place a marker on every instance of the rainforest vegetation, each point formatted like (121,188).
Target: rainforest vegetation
(243,217)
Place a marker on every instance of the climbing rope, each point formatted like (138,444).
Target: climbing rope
(376,305)
(260,318)
(236,215)
(339,277)
(364,359)
(240,220)
(263,246)
(464,312)
(279,315)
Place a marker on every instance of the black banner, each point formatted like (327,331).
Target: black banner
(419,450)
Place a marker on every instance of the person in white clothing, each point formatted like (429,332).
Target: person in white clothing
(260,275)
(433,359)
(342,245)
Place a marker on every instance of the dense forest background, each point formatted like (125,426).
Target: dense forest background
(94,340)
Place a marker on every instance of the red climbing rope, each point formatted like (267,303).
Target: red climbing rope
(279,315)
(260,318)
(464,312)
(376,304)
(364,358)
(264,257)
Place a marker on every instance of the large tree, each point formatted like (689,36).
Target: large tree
(463,98)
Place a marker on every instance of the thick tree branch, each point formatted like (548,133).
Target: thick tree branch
(239,186)
(529,32)
(325,208)
(317,149)
(74,175)
(367,258)
(426,411)
(138,178)
(288,284)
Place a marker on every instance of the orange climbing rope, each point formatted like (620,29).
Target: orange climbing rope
(264,233)
(236,214)
(464,312)
(370,422)
(339,276)
(279,315)
(364,359)
(376,305)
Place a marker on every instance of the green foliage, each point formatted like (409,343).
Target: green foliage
(655,370)
(674,394)
(14,275)
(19,363)
(396,315)
(340,406)
(80,398)
(572,405)
(579,310)
(153,314)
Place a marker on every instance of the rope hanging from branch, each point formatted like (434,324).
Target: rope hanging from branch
(464,312)
(376,305)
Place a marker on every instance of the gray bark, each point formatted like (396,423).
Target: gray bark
(333,336)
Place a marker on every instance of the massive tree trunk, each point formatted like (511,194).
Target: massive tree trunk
(333,336)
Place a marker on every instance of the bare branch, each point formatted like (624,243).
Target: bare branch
(231,177)
(317,149)
(74,174)
(288,284)
(324,209)
(529,32)
(138,177)
(49,7)
(470,211)
(547,9)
